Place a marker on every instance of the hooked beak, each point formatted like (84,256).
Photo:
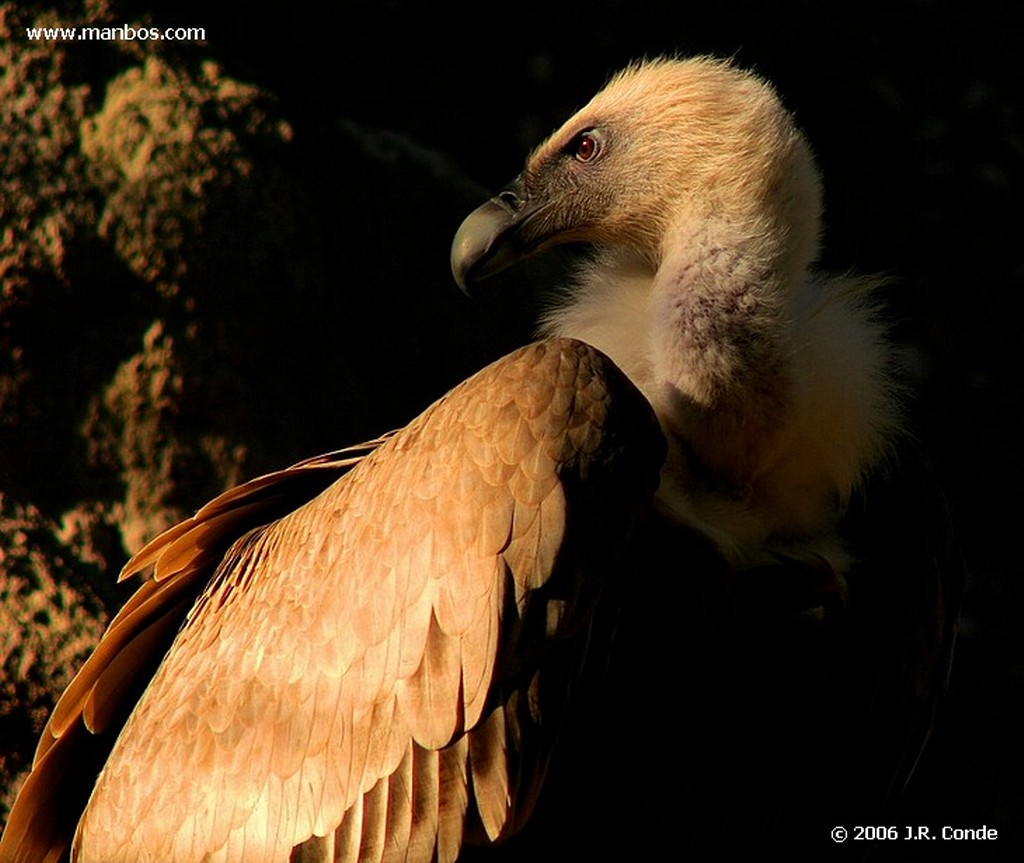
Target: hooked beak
(493,237)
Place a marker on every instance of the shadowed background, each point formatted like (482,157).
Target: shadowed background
(219,258)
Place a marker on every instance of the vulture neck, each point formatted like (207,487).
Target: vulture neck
(771,407)
(717,335)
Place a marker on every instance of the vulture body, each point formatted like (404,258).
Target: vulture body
(673,562)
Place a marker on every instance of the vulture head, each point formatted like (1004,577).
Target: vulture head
(701,201)
(665,150)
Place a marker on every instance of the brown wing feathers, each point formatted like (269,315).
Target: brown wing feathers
(362,672)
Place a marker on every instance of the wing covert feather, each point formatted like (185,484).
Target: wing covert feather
(336,649)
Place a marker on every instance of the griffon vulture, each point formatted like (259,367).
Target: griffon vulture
(694,483)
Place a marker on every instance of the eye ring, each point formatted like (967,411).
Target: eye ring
(586,147)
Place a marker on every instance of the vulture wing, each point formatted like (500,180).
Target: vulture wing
(378,673)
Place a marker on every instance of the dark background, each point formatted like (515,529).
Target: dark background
(403,115)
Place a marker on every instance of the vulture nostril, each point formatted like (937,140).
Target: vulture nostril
(509,197)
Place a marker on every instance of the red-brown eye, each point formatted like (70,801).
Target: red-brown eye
(587,147)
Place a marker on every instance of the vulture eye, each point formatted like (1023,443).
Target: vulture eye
(587,146)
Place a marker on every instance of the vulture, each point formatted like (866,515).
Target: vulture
(674,578)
